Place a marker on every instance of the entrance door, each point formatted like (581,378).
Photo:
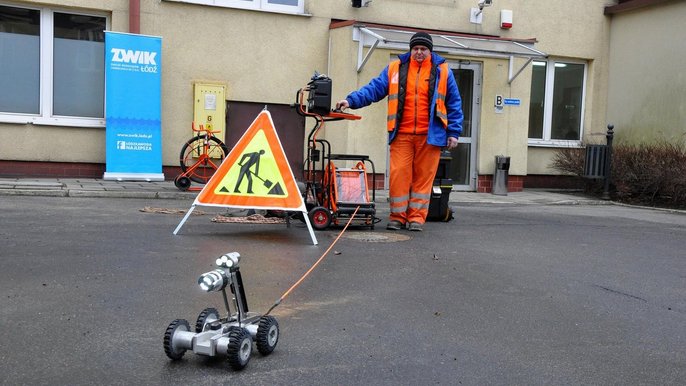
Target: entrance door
(463,165)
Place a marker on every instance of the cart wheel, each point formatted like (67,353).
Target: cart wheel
(239,348)
(267,335)
(208,315)
(320,218)
(172,350)
(182,182)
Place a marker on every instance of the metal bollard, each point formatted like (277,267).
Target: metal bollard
(608,162)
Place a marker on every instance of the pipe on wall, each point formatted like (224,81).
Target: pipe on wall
(134,16)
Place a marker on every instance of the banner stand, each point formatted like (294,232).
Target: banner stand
(148,177)
(133,123)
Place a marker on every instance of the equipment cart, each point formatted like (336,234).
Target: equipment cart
(332,193)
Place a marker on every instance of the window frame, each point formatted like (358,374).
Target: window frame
(546,141)
(256,5)
(45,115)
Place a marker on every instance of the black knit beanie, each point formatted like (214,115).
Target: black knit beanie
(422,38)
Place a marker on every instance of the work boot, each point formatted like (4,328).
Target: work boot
(415,227)
(394,225)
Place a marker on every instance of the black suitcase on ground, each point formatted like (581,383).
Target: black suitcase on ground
(439,204)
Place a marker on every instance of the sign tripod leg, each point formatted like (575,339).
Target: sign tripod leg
(185,218)
(309,227)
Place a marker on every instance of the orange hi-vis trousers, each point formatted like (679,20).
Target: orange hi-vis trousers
(413,168)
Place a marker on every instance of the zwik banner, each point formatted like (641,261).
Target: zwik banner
(133,139)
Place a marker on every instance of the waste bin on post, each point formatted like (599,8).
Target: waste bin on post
(502,168)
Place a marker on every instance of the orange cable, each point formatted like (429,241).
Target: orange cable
(297,283)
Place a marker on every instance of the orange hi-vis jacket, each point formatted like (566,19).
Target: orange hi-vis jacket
(417,80)
(415,116)
(445,104)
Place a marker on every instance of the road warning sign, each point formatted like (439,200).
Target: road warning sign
(255,174)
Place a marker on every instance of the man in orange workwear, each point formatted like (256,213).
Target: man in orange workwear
(424,114)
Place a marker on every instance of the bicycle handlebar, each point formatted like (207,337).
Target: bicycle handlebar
(202,128)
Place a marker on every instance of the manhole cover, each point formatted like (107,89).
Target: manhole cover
(376,237)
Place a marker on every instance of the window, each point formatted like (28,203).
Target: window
(19,60)
(284,6)
(54,64)
(556,107)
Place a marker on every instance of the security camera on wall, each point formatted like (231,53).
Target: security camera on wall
(360,3)
(485,3)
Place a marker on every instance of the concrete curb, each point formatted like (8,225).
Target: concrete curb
(91,188)
(97,193)
(31,192)
(63,191)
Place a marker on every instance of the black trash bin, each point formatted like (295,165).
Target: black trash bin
(500,175)
(439,204)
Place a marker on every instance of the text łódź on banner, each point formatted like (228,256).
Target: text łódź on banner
(133,139)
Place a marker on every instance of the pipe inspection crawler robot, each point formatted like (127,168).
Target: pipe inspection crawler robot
(231,336)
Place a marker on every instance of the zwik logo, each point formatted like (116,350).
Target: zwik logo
(130,60)
(130,56)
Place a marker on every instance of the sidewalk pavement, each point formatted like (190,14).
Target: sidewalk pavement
(90,187)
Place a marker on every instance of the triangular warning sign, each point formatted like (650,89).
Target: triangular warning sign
(255,173)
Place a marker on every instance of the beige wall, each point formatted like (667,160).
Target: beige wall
(647,83)
(266,57)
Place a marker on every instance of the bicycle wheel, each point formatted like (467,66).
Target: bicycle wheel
(199,161)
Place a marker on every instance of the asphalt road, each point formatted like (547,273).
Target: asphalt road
(511,295)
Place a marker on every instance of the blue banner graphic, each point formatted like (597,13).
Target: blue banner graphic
(133,139)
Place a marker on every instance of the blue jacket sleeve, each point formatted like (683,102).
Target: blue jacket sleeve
(453,103)
(374,91)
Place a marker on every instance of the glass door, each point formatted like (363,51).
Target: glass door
(463,165)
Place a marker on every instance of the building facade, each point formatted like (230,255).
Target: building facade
(534,75)
(647,81)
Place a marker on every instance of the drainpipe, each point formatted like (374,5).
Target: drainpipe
(134,16)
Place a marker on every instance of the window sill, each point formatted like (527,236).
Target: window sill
(55,121)
(207,3)
(554,143)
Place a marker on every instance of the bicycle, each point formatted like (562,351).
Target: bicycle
(200,157)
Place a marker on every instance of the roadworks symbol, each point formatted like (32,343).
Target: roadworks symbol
(256,174)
